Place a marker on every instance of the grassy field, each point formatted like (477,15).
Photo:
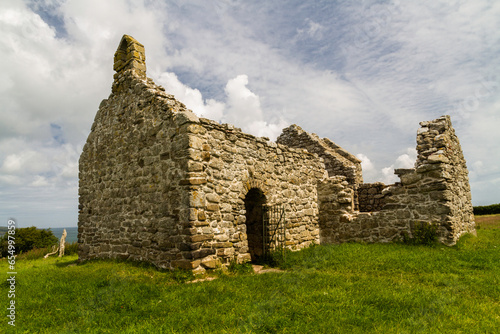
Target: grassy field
(488,221)
(349,288)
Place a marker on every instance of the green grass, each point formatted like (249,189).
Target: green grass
(348,288)
(488,221)
(39,253)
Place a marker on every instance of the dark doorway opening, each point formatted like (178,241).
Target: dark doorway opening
(254,202)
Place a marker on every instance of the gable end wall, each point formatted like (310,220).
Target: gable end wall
(132,201)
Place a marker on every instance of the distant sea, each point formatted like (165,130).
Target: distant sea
(72,233)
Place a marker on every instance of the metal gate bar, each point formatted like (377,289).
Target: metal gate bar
(274,230)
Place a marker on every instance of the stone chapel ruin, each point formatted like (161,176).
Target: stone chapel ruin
(159,184)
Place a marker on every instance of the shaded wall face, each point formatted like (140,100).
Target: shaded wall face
(229,164)
(337,160)
(132,204)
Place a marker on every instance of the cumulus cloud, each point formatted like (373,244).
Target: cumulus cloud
(241,106)
(30,162)
(27,161)
(406,160)
(192,98)
(244,110)
(386,174)
(53,74)
(363,75)
(243,103)
(370,173)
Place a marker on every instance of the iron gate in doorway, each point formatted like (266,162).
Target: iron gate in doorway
(273,231)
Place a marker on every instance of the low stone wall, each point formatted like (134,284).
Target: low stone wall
(340,223)
(435,191)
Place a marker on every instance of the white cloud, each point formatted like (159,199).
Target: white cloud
(406,160)
(28,163)
(24,162)
(386,174)
(243,105)
(244,110)
(362,75)
(241,108)
(192,98)
(370,173)
(48,83)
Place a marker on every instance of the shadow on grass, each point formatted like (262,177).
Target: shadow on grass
(177,275)
(66,263)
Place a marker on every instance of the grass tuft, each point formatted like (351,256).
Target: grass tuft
(423,233)
(240,268)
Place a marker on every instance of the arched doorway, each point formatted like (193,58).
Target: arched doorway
(254,201)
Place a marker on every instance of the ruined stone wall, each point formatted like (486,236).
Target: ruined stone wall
(227,163)
(435,191)
(132,200)
(371,196)
(441,165)
(340,223)
(158,184)
(337,160)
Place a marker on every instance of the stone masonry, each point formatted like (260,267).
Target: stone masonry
(337,160)
(159,184)
(435,191)
(371,196)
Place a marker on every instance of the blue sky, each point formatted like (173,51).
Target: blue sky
(363,74)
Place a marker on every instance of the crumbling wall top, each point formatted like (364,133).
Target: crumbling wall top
(130,55)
